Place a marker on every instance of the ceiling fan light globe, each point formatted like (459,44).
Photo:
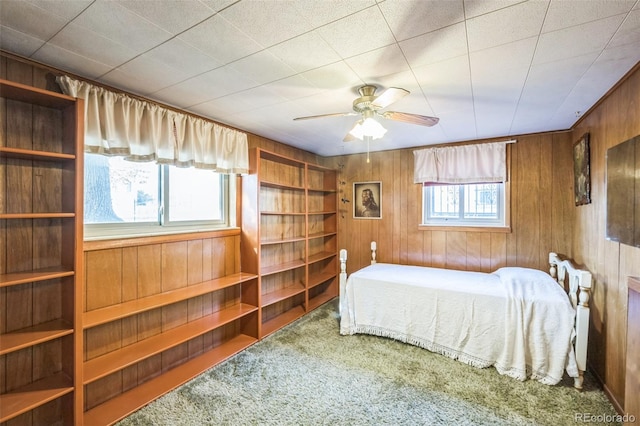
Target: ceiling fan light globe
(369,127)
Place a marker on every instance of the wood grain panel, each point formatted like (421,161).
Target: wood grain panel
(103,278)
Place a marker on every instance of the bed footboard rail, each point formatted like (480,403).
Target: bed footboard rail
(579,291)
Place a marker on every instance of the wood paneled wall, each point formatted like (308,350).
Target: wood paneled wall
(543,216)
(615,120)
(541,211)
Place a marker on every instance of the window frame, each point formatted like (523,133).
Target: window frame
(459,223)
(102,231)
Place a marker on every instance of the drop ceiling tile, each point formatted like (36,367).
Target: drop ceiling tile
(116,23)
(322,12)
(183,57)
(358,33)
(28,18)
(333,76)
(262,67)
(379,62)
(294,87)
(517,22)
(67,10)
(267,22)
(473,8)
(86,43)
(411,18)
(18,42)
(446,84)
(70,61)
(563,14)
(205,87)
(305,52)
(171,16)
(219,39)
(629,31)
(240,102)
(436,46)
(459,124)
(131,76)
(576,41)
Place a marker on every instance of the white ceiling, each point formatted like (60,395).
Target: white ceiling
(486,68)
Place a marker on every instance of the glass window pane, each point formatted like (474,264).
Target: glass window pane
(481,201)
(444,201)
(118,191)
(194,195)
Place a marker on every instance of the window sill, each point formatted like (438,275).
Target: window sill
(495,229)
(131,241)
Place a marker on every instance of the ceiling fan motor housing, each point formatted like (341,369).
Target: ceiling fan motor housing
(364,103)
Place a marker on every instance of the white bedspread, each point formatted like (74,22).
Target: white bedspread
(518,320)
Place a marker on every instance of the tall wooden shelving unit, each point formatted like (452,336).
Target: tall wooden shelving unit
(289,236)
(41,172)
(178,329)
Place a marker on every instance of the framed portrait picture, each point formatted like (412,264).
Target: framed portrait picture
(581,173)
(367,200)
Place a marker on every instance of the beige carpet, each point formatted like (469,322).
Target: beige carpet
(307,374)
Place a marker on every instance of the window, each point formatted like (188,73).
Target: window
(480,204)
(125,198)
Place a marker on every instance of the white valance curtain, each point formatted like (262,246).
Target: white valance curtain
(116,124)
(474,163)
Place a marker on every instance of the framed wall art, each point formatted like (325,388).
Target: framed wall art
(367,200)
(581,172)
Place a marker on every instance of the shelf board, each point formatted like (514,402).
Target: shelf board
(111,362)
(16,278)
(321,256)
(322,213)
(317,279)
(281,294)
(36,215)
(133,307)
(37,334)
(320,299)
(28,94)
(33,395)
(325,190)
(282,240)
(322,234)
(29,154)
(281,320)
(119,407)
(281,185)
(282,213)
(281,267)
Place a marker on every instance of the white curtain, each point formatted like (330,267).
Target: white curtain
(474,163)
(116,124)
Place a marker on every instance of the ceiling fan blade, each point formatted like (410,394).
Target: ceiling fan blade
(405,117)
(336,114)
(349,137)
(389,96)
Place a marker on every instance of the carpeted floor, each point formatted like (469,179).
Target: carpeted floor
(307,374)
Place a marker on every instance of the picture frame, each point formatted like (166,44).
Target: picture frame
(581,171)
(367,200)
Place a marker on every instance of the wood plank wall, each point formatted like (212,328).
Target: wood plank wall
(615,120)
(542,197)
(541,211)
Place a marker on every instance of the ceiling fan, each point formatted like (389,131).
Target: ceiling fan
(368,105)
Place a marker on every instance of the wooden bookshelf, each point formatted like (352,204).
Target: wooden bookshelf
(40,227)
(292,243)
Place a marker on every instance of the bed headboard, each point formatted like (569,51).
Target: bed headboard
(579,293)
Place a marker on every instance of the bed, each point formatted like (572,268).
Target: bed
(519,320)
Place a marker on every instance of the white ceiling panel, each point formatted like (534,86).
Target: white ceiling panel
(513,23)
(295,52)
(219,39)
(411,18)
(486,68)
(436,46)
